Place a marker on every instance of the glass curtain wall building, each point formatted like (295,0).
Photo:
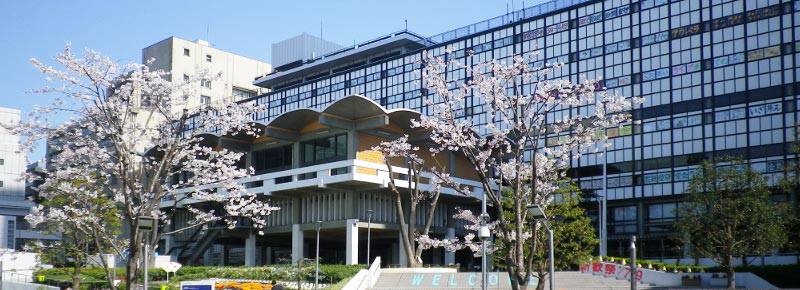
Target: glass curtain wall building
(718,78)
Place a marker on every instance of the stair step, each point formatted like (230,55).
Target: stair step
(564,280)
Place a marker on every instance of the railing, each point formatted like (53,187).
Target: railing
(501,20)
(322,174)
(366,278)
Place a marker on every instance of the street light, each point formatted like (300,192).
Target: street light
(633,262)
(538,214)
(484,235)
(369,229)
(316,274)
(146,224)
(601,224)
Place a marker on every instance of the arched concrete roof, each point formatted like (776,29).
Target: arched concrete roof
(294,119)
(351,112)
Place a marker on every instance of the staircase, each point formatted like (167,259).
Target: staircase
(578,280)
(564,280)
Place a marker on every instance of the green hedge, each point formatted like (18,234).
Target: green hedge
(783,276)
(657,265)
(95,277)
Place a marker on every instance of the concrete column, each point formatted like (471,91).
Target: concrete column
(223,261)
(297,243)
(402,259)
(250,250)
(351,244)
(208,255)
(450,257)
(168,246)
(268,258)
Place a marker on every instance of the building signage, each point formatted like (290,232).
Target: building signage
(608,270)
(196,287)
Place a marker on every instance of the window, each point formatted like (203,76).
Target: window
(10,234)
(205,100)
(186,78)
(323,150)
(186,52)
(2,161)
(662,212)
(205,83)
(1,183)
(273,159)
(624,220)
(242,94)
(208,57)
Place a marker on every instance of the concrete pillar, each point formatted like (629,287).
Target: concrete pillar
(450,257)
(351,243)
(208,255)
(168,246)
(297,243)
(268,258)
(402,259)
(223,261)
(250,250)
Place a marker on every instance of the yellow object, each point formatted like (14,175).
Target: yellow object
(233,285)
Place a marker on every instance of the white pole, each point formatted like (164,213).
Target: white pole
(146,249)
(369,229)
(484,237)
(603,224)
(316,275)
(552,257)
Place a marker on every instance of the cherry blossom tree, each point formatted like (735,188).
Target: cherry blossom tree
(87,222)
(535,125)
(130,131)
(401,153)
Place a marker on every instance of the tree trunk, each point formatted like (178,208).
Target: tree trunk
(542,279)
(540,283)
(76,275)
(731,272)
(131,267)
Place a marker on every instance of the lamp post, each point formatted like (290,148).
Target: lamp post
(369,238)
(146,224)
(316,274)
(633,263)
(484,235)
(603,234)
(538,214)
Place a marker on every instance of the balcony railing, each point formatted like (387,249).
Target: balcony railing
(328,173)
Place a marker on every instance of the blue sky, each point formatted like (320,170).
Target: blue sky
(120,29)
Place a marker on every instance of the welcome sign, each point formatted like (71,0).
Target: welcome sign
(463,280)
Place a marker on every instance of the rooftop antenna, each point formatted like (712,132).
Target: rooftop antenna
(209,41)
(405,21)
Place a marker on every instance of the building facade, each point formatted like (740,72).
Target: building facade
(719,79)
(14,206)
(184,59)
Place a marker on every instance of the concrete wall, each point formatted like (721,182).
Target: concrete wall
(13,162)
(235,71)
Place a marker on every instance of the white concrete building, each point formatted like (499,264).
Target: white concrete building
(13,205)
(184,59)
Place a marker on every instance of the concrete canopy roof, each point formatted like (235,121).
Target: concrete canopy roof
(294,120)
(353,112)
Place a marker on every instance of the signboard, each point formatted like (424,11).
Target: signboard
(197,285)
(146,223)
(171,267)
(608,270)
